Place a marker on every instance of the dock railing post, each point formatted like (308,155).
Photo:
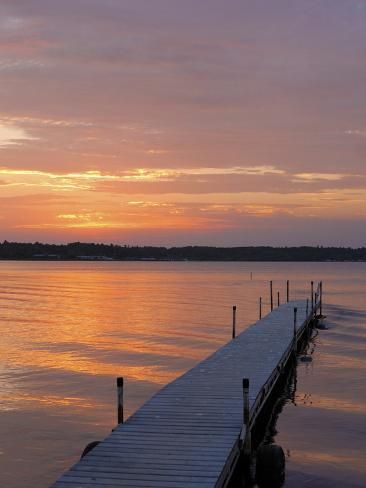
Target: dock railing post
(295,330)
(234,321)
(271,293)
(260,308)
(120,400)
(278,299)
(246,416)
(288,291)
(312,297)
(321,298)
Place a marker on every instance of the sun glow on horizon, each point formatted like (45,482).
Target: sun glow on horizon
(102,202)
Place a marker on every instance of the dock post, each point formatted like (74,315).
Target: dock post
(120,400)
(246,417)
(260,308)
(278,299)
(321,298)
(234,321)
(312,297)
(295,330)
(288,291)
(271,293)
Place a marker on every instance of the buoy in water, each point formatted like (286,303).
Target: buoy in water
(270,467)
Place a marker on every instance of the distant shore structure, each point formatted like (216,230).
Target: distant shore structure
(94,258)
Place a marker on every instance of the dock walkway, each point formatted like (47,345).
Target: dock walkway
(188,434)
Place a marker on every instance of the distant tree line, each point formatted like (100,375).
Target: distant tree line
(87,251)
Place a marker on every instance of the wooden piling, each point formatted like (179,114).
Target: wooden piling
(260,308)
(234,322)
(315,302)
(271,293)
(321,298)
(295,330)
(278,299)
(288,291)
(120,400)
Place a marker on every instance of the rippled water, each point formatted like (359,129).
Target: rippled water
(68,329)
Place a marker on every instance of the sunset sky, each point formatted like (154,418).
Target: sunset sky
(179,122)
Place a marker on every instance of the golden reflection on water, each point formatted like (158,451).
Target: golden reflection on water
(102,320)
(19,401)
(73,363)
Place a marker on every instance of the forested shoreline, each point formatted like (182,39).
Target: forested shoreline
(98,251)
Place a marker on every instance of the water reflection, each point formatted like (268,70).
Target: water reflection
(68,329)
(323,434)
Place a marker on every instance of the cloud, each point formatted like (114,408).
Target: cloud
(24,120)
(134,175)
(170,174)
(236,170)
(12,135)
(311,177)
(219,182)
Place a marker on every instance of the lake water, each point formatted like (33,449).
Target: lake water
(69,329)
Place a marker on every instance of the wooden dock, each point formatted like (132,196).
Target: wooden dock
(191,433)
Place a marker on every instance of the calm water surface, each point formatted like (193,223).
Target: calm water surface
(68,329)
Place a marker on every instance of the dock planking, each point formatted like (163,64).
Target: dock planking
(190,433)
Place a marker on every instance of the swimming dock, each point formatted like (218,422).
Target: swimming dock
(193,431)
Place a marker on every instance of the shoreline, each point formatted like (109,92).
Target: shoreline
(153,260)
